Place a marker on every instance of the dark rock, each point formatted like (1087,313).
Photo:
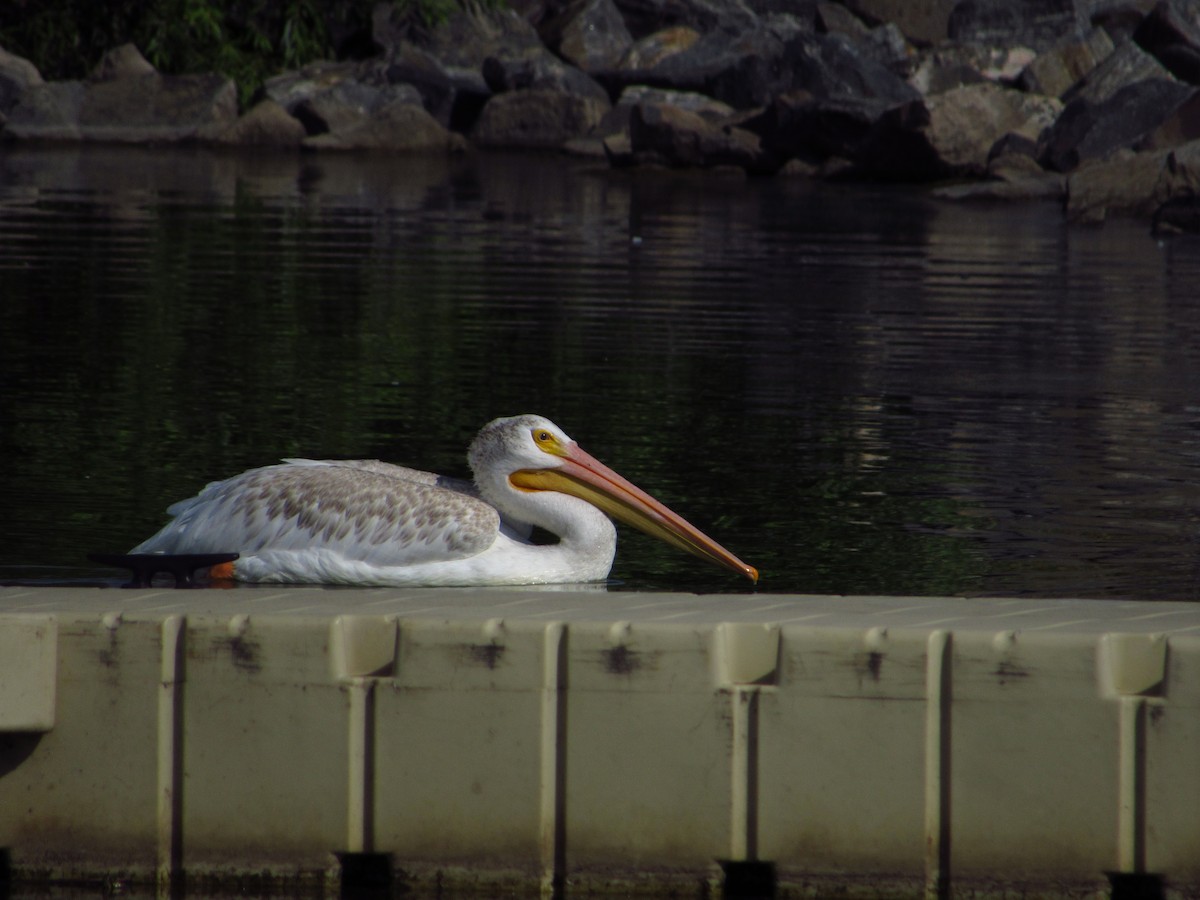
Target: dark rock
(645,17)
(616,120)
(1178,215)
(398,126)
(700,104)
(742,70)
(834,98)
(1128,64)
(1093,131)
(1182,126)
(17,74)
(48,111)
(619,151)
(1136,184)
(951,66)
(589,34)
(651,50)
(146,109)
(267,124)
(454,96)
(1182,61)
(958,133)
(1171,33)
(835,18)
(831,66)
(923,21)
(1013,145)
(540,71)
(468,36)
(291,89)
(887,45)
(1031,23)
(804,11)
(125,61)
(345,105)
(1056,70)
(798,125)
(536,119)
(1013,164)
(1121,19)
(1010,178)
(591,147)
(675,137)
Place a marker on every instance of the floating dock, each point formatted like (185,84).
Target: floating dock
(581,741)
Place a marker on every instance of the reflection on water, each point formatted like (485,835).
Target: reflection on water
(856,390)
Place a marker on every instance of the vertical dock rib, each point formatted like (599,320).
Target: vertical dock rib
(360,803)
(1131,785)
(743,806)
(170,753)
(937,766)
(554,759)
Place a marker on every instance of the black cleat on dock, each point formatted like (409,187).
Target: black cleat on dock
(144,566)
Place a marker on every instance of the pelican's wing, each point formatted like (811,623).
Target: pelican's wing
(519,531)
(363,510)
(394,471)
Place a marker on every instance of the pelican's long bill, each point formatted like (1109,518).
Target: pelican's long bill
(584,476)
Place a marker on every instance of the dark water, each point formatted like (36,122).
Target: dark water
(857,390)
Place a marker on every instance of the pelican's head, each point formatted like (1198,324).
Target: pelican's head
(530,453)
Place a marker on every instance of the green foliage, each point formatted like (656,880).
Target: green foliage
(247,40)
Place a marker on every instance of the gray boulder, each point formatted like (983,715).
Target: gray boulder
(1038,24)
(832,101)
(1057,70)
(291,89)
(953,134)
(144,109)
(531,118)
(1015,177)
(645,17)
(651,50)
(667,135)
(1180,127)
(888,46)
(400,126)
(741,69)
(266,124)
(468,36)
(616,120)
(1128,64)
(539,71)
(336,97)
(832,66)
(452,95)
(1088,131)
(926,21)
(1171,33)
(125,61)
(950,66)
(17,74)
(589,34)
(1133,184)
(347,104)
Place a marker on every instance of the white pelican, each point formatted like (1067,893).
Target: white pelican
(366,522)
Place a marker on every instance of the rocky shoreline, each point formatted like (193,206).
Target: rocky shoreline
(1096,104)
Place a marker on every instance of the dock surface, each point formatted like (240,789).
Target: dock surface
(580,740)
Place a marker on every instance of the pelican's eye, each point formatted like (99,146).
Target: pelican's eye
(547,441)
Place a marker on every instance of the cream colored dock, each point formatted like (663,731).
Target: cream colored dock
(584,741)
